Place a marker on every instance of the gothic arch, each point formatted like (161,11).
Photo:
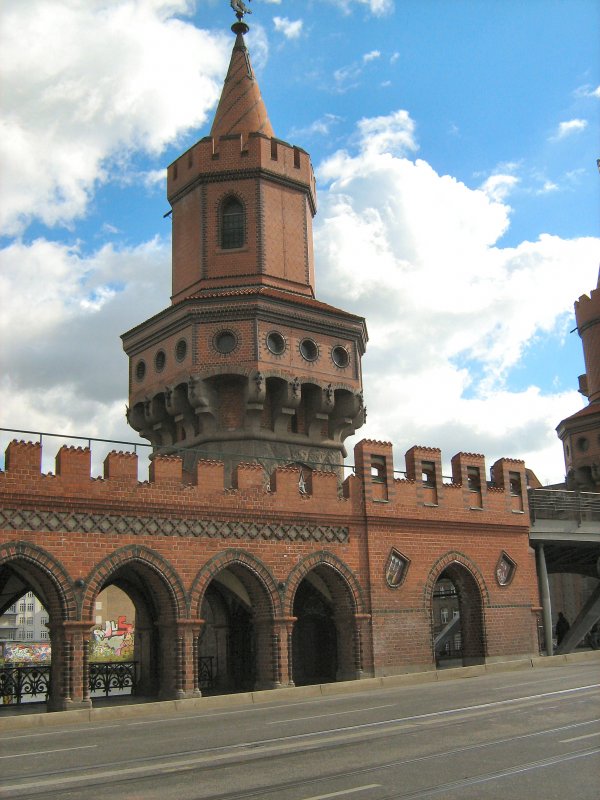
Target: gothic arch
(323,558)
(472,596)
(131,554)
(225,560)
(49,577)
(449,558)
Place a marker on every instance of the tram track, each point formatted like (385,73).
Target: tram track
(54,783)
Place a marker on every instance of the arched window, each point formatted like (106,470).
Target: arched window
(232,224)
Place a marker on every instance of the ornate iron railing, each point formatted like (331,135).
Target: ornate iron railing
(561,504)
(206,677)
(31,683)
(19,682)
(111,676)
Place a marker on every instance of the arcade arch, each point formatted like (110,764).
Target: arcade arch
(155,590)
(238,601)
(326,603)
(27,568)
(456,605)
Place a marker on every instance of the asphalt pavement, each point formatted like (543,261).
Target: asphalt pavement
(512,735)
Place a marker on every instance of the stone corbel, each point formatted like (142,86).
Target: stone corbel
(136,418)
(285,403)
(319,407)
(156,416)
(255,395)
(201,399)
(349,414)
(177,405)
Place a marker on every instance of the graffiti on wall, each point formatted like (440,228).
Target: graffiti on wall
(113,641)
(21,653)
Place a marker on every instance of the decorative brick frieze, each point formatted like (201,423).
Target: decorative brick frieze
(133,525)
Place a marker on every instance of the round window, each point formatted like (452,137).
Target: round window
(160,360)
(276,343)
(140,370)
(225,342)
(340,356)
(181,350)
(309,350)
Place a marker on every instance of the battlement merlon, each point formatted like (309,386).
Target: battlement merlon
(373,481)
(587,309)
(211,160)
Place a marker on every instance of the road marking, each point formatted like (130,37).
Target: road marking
(492,776)
(577,738)
(331,714)
(55,733)
(446,712)
(45,752)
(344,792)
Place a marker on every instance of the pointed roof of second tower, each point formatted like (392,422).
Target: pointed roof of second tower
(241,108)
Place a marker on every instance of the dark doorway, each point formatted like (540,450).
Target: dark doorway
(314,641)
(227,643)
(457,618)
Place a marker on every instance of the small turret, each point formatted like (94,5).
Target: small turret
(246,365)
(580,433)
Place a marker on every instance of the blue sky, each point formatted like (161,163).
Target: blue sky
(455,147)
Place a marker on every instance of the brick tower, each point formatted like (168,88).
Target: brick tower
(245,364)
(580,433)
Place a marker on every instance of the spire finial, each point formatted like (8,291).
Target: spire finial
(241,9)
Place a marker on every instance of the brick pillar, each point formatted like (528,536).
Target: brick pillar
(284,627)
(345,626)
(143,655)
(360,624)
(186,662)
(170,666)
(267,639)
(70,667)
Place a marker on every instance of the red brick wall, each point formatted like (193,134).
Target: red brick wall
(401,635)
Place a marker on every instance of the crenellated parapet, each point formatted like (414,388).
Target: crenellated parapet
(212,159)
(372,489)
(425,493)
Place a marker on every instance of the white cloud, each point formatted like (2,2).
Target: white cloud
(548,187)
(392,134)
(63,86)
(588,91)
(373,55)
(498,187)
(569,127)
(450,312)
(291,29)
(320,127)
(377,7)
(64,369)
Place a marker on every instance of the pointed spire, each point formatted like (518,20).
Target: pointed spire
(241,108)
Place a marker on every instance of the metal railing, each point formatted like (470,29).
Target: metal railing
(31,683)
(176,450)
(20,682)
(561,504)
(112,677)
(206,676)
